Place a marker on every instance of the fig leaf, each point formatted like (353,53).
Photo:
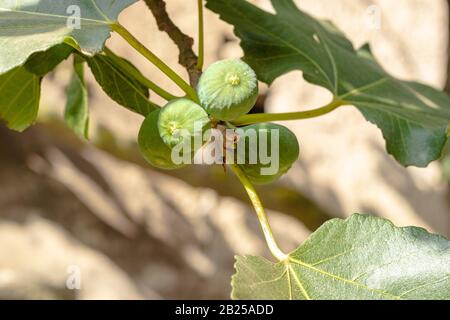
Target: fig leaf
(362,257)
(412,117)
(30,26)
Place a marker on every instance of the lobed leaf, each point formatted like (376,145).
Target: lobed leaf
(362,257)
(413,117)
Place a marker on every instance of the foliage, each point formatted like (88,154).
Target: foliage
(362,257)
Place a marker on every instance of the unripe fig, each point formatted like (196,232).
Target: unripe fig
(228,89)
(183,121)
(152,146)
(278,143)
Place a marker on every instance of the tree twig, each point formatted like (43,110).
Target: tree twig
(187,58)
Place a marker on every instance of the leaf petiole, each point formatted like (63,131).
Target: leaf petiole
(269,117)
(260,212)
(201,36)
(136,44)
(140,77)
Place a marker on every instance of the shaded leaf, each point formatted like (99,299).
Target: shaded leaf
(29,26)
(412,117)
(119,84)
(76,113)
(19,98)
(362,257)
(41,63)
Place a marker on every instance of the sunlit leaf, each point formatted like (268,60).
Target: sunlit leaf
(29,26)
(19,98)
(362,257)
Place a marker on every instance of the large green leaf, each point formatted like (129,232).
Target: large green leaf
(76,113)
(363,257)
(412,117)
(19,98)
(119,84)
(29,26)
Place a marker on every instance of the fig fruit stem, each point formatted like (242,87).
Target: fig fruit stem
(141,78)
(269,117)
(201,37)
(261,213)
(136,44)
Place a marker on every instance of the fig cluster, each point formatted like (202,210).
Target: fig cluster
(170,137)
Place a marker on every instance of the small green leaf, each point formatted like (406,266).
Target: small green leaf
(76,114)
(29,26)
(41,63)
(119,84)
(362,257)
(412,117)
(19,98)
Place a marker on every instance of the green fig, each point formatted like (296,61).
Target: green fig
(152,146)
(183,121)
(228,89)
(281,150)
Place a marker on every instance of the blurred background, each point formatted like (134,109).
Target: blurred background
(90,220)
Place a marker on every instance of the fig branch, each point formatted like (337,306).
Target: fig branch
(261,213)
(187,58)
(169,72)
(269,117)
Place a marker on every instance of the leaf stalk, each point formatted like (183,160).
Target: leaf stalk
(269,117)
(261,213)
(169,72)
(140,77)
(201,36)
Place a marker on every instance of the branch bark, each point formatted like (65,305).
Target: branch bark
(187,58)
